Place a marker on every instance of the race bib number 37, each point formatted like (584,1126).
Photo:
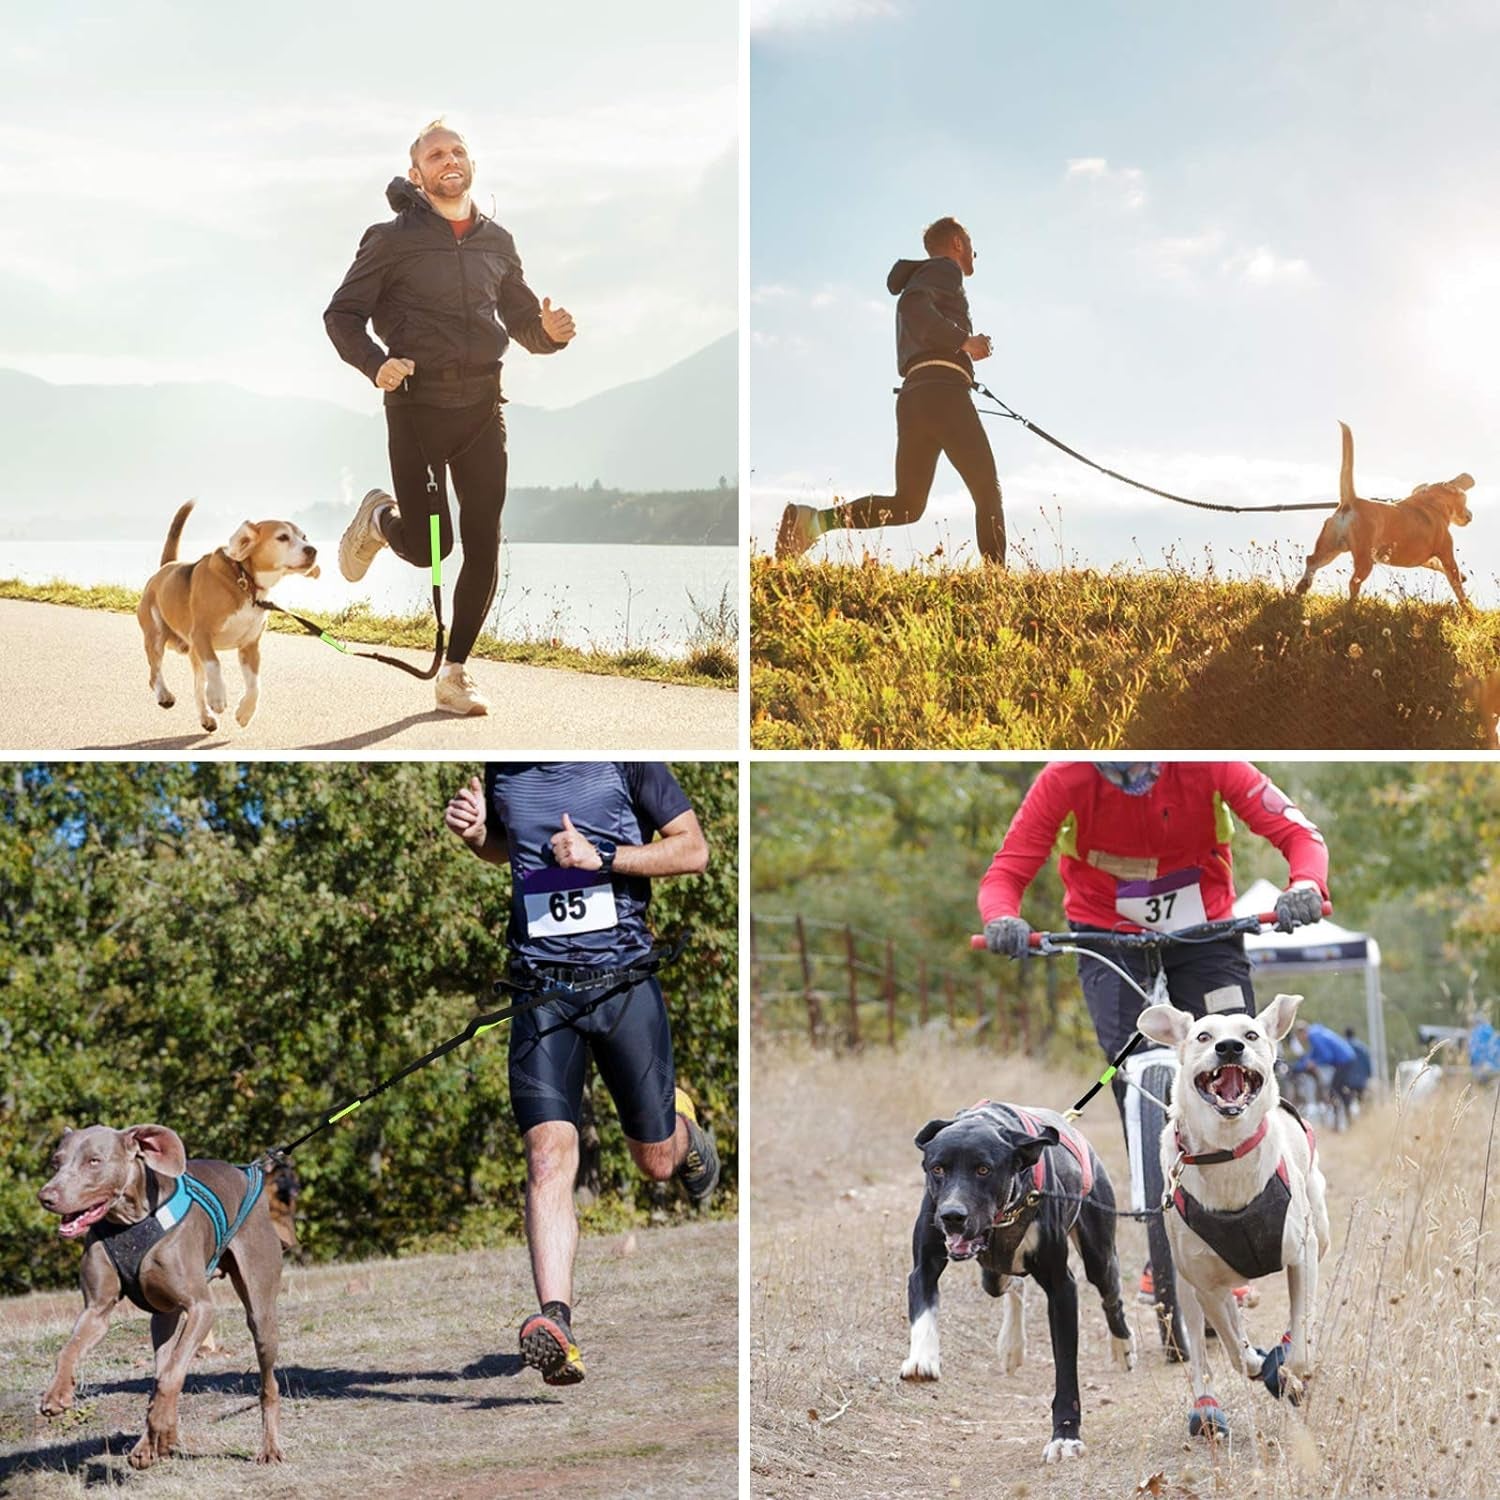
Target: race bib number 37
(1167,904)
(565,903)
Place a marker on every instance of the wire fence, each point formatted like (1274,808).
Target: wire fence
(846,988)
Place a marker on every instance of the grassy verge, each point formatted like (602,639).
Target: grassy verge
(711,662)
(868,656)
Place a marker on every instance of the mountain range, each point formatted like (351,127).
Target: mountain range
(113,461)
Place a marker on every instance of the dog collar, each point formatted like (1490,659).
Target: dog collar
(1213,1158)
(243,577)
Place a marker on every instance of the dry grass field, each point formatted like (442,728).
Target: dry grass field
(1405,1402)
(400,1378)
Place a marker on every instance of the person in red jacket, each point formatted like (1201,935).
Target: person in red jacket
(1147,842)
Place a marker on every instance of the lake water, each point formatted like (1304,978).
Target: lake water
(584,594)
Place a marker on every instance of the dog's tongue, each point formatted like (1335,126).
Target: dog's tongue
(74,1225)
(960,1248)
(1229,1083)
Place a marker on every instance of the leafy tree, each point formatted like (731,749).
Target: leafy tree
(235,949)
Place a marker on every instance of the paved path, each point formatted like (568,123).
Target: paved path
(75,679)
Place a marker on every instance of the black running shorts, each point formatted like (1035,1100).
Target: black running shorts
(627,1032)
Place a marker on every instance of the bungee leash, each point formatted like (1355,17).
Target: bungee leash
(439,644)
(1150,489)
(553,989)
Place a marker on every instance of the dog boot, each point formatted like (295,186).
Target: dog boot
(362,537)
(1207,1417)
(700,1167)
(547,1345)
(1270,1371)
(797,532)
(458,693)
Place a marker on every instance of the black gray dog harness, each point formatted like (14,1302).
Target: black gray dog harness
(128,1244)
(1247,1239)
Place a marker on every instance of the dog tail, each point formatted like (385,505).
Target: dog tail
(1346,473)
(174,533)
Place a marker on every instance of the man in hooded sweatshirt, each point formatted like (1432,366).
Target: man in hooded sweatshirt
(444,289)
(936,347)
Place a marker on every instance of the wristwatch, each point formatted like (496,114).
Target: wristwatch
(606,849)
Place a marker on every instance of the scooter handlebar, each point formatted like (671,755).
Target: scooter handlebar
(1035,940)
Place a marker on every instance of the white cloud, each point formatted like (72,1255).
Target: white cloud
(1263,267)
(1126,184)
(796,15)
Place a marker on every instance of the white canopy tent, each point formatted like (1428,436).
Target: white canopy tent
(1322,948)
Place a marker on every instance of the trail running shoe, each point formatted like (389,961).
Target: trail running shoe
(795,534)
(700,1167)
(362,539)
(458,693)
(547,1345)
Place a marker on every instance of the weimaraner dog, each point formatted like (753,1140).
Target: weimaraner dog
(157,1225)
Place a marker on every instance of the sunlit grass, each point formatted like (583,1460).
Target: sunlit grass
(866,655)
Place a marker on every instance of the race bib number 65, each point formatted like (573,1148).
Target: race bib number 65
(564,903)
(1167,904)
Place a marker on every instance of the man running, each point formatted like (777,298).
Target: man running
(581,840)
(444,288)
(936,347)
(1148,842)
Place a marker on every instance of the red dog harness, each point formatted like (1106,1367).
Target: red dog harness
(1030,1125)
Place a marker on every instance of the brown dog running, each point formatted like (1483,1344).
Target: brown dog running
(213,604)
(1414,533)
(106,1181)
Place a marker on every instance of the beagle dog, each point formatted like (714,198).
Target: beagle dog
(214,605)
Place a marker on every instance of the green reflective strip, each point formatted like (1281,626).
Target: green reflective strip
(480,1030)
(329,640)
(1108,1073)
(348,1109)
(437,559)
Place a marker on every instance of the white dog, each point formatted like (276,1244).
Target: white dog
(1246,1194)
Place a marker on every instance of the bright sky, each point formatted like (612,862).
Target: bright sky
(186,184)
(1205,234)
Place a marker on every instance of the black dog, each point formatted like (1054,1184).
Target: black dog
(1010,1186)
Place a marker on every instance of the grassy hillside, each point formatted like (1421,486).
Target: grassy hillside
(854,656)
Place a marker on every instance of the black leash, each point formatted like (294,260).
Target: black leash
(439,643)
(1046,437)
(556,989)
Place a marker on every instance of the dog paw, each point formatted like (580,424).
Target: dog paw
(270,1454)
(1012,1357)
(217,699)
(1122,1351)
(1207,1419)
(54,1403)
(1061,1448)
(245,712)
(165,698)
(921,1369)
(209,723)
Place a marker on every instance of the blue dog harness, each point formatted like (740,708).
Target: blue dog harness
(127,1244)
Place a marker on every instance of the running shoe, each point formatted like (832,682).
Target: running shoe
(362,538)
(796,532)
(547,1345)
(458,693)
(700,1167)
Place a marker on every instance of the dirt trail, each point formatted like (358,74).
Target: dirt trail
(399,1378)
(835,1192)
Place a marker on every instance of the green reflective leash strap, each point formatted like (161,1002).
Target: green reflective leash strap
(434,533)
(554,990)
(1135,1041)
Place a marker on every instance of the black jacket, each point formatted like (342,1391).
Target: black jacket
(450,306)
(932,315)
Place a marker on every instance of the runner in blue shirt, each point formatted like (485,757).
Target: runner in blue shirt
(583,841)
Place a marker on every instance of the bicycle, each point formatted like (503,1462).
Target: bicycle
(1151,1070)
